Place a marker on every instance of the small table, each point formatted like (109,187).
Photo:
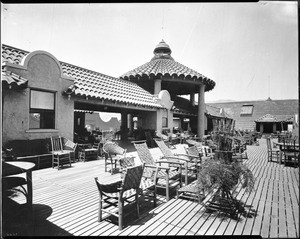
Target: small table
(287,146)
(17,167)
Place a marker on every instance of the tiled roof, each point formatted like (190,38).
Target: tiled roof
(279,118)
(12,54)
(93,84)
(162,64)
(215,111)
(183,106)
(281,109)
(12,81)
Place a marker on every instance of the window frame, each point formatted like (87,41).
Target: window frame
(44,113)
(248,111)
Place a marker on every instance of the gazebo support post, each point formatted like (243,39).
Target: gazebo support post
(201,109)
(157,86)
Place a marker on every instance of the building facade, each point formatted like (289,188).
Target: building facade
(264,116)
(42,96)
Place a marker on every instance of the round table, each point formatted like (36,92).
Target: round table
(17,167)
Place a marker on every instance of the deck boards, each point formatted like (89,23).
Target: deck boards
(66,203)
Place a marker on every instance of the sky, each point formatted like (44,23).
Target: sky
(249,49)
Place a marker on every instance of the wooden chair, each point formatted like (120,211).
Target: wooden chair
(167,177)
(148,185)
(112,153)
(114,195)
(61,155)
(195,160)
(272,152)
(188,160)
(239,149)
(291,153)
(89,153)
(166,139)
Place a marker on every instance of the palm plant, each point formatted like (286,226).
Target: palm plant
(222,175)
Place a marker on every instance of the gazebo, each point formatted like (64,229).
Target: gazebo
(162,72)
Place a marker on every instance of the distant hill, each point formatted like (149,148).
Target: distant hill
(220,101)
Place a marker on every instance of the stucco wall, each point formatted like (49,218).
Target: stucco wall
(43,72)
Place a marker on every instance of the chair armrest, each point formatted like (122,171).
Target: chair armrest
(138,141)
(188,155)
(176,158)
(159,167)
(172,162)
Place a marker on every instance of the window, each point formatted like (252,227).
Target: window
(164,122)
(165,119)
(42,110)
(247,110)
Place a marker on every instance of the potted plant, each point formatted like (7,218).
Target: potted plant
(222,175)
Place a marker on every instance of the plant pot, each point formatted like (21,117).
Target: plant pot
(226,156)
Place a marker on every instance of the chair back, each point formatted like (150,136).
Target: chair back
(269,146)
(112,148)
(162,136)
(107,135)
(193,151)
(164,148)
(127,162)
(56,143)
(70,145)
(144,153)
(132,177)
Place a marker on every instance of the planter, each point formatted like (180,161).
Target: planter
(226,156)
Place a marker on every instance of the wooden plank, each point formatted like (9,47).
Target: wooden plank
(160,213)
(291,230)
(143,220)
(188,223)
(281,211)
(274,227)
(156,222)
(241,220)
(293,208)
(172,222)
(73,197)
(258,205)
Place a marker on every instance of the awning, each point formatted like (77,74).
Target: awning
(13,81)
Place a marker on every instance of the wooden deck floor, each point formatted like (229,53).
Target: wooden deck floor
(66,203)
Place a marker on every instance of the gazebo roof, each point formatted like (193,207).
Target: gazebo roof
(179,78)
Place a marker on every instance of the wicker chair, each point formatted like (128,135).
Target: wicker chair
(167,177)
(112,153)
(116,194)
(188,160)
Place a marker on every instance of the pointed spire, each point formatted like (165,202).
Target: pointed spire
(162,50)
